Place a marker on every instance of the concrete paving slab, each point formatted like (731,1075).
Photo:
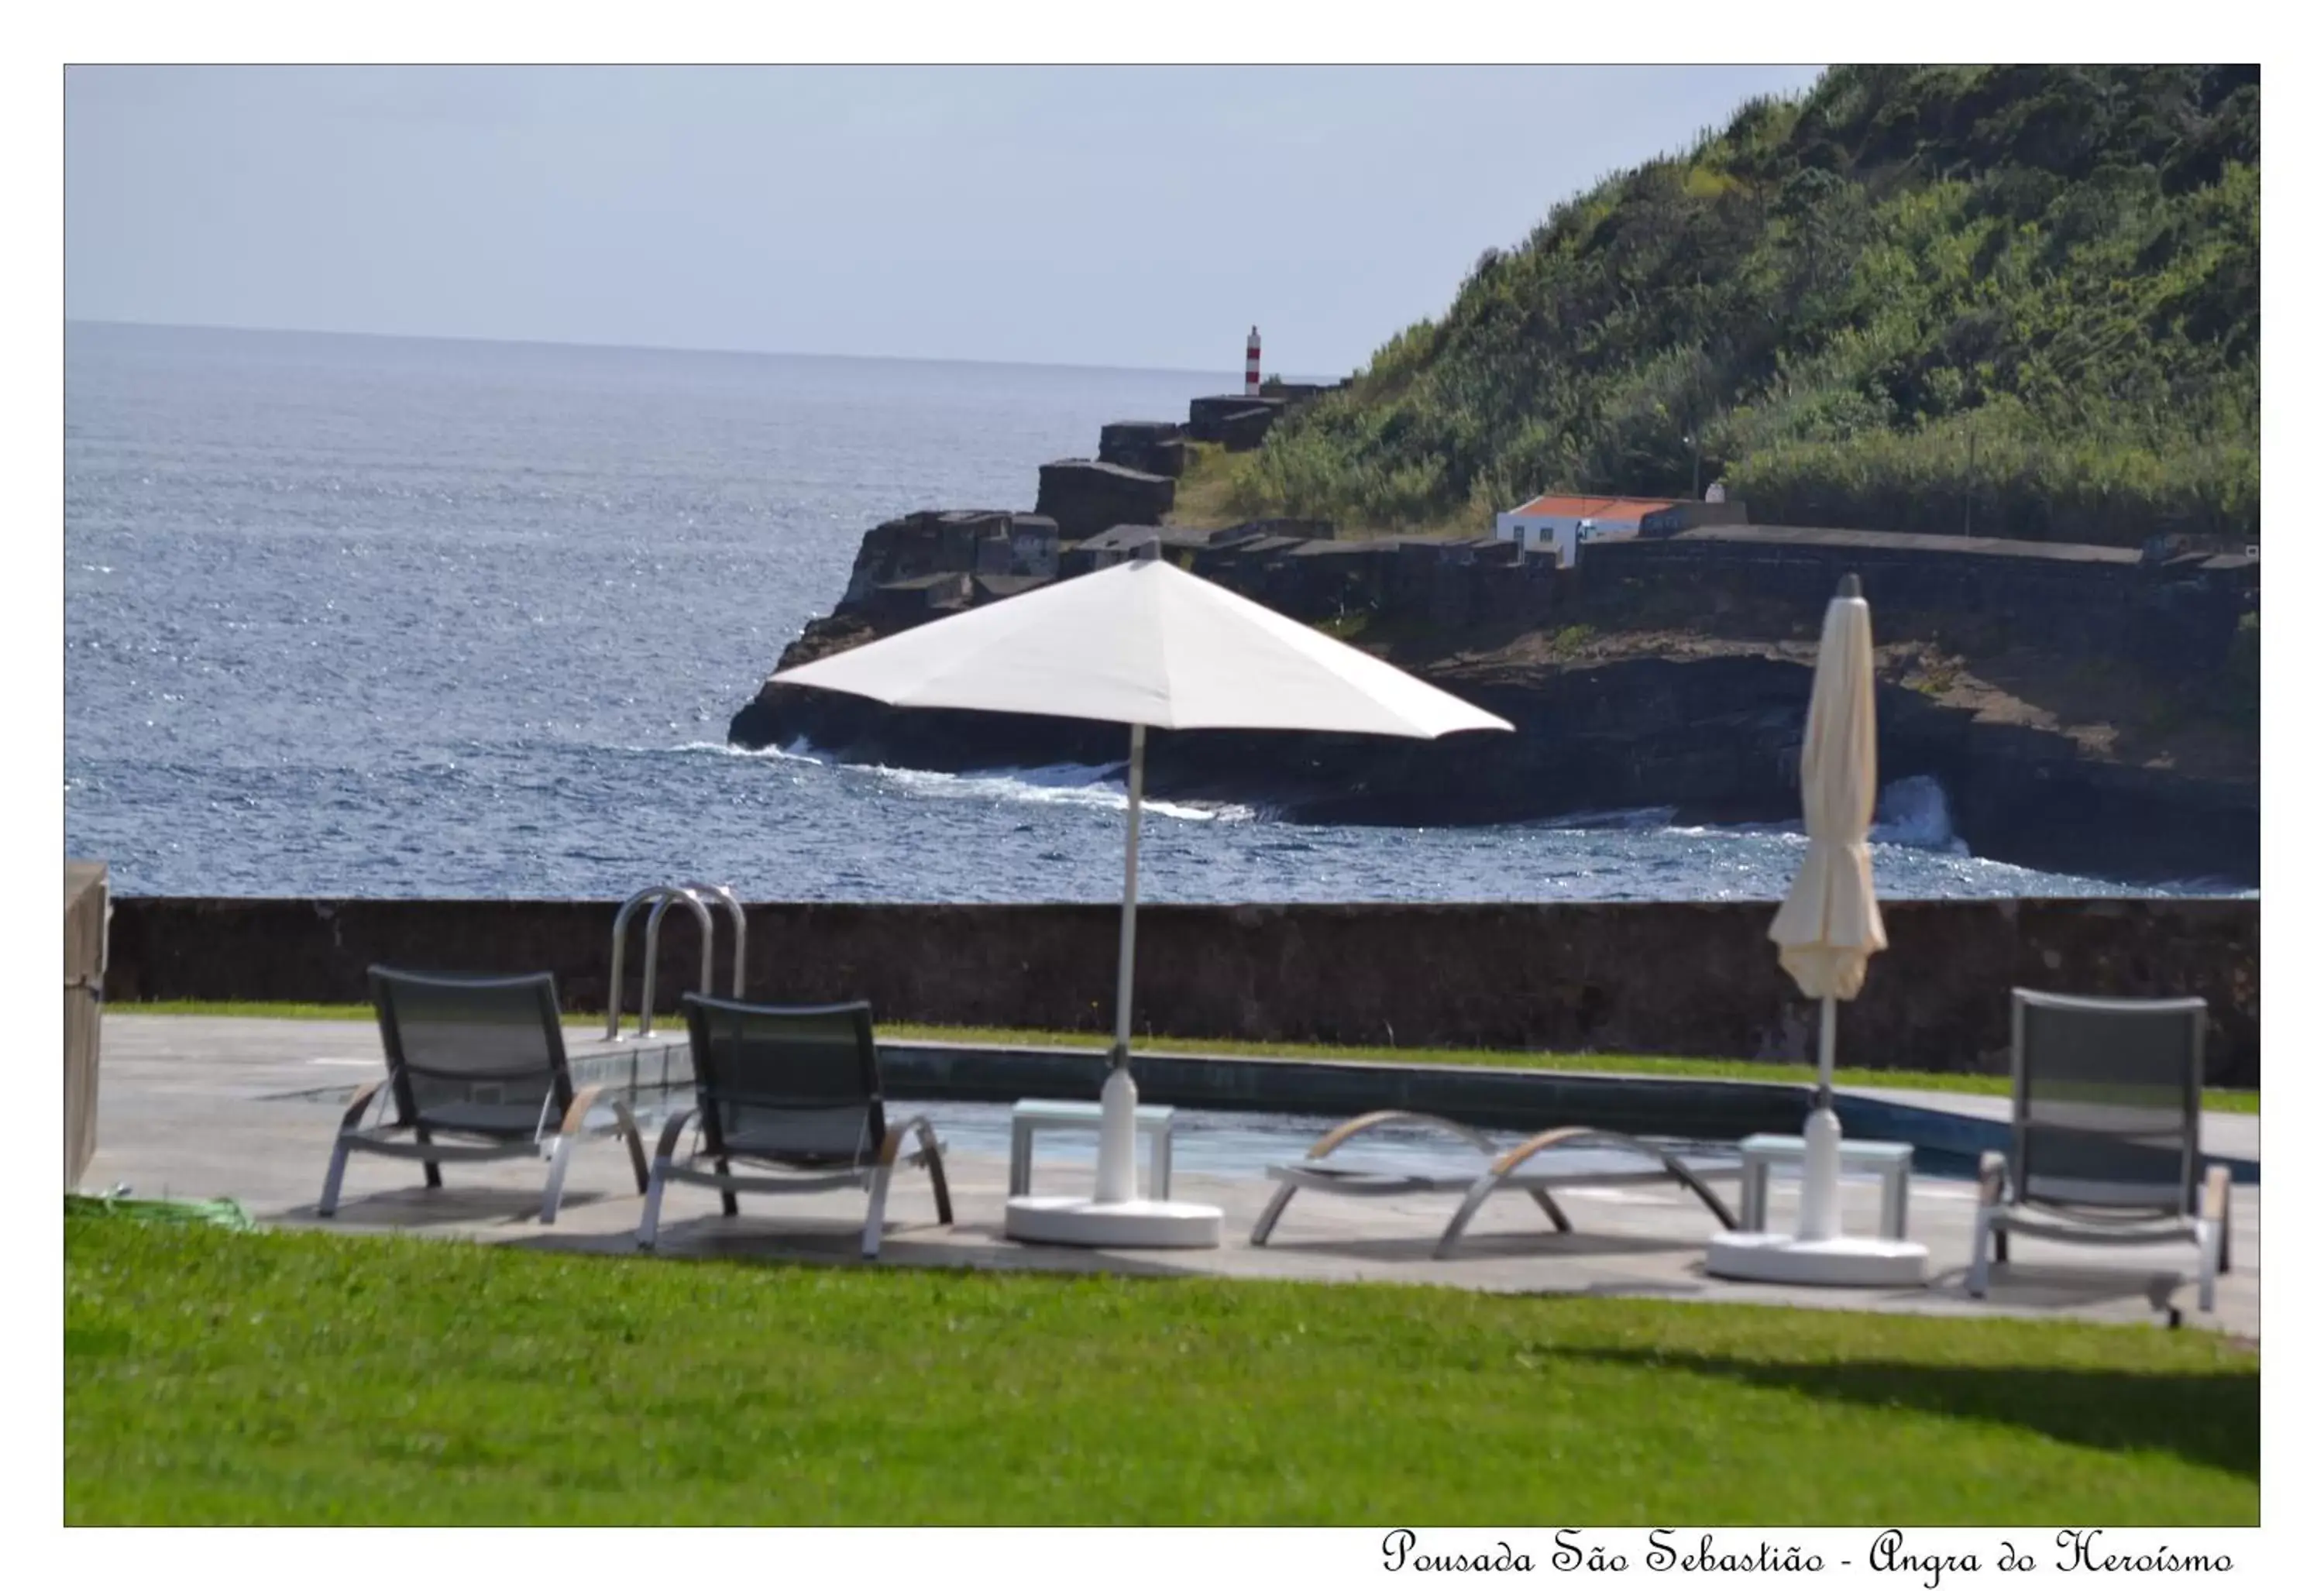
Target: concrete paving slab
(245,1108)
(2230,1132)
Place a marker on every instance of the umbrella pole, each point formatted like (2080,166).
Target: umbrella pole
(1826,1043)
(1117,1143)
(1819,1176)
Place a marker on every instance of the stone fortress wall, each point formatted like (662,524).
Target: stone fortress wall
(2178,610)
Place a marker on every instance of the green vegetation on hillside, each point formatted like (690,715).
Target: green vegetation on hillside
(2034,287)
(215,1378)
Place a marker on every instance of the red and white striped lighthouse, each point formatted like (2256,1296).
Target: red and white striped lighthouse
(1251,365)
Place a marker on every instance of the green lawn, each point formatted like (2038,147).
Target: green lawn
(2242,1100)
(216,1376)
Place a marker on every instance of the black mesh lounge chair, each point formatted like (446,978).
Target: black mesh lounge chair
(1535,1168)
(792,1092)
(476,1069)
(2105,1145)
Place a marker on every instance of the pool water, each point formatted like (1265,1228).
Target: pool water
(655,1078)
(1244,1144)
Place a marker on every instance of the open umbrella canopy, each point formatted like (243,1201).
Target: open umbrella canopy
(1829,925)
(1144,642)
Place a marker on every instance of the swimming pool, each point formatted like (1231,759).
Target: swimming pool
(656,1076)
(1245,1143)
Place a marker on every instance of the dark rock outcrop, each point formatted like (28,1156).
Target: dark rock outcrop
(1208,418)
(936,542)
(1717,738)
(1085,497)
(1154,448)
(1713,733)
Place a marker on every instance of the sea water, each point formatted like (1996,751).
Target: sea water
(376,616)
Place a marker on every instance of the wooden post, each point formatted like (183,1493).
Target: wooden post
(85,894)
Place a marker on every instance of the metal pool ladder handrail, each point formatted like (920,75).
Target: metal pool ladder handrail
(664,895)
(734,905)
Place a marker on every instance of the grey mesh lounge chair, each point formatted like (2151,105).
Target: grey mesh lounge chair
(2105,1145)
(476,1070)
(1531,1168)
(794,1092)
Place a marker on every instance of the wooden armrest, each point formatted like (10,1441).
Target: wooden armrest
(893,1143)
(1534,1146)
(2217,1181)
(577,1113)
(1346,1130)
(361,1103)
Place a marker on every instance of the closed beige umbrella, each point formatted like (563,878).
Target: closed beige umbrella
(1830,923)
(1829,927)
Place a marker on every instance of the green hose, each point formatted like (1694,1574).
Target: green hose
(206,1212)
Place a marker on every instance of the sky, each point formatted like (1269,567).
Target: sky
(1140,216)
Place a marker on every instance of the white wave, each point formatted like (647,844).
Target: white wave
(727,748)
(1056,785)
(1914,813)
(1789,831)
(1062,784)
(2209,884)
(1911,812)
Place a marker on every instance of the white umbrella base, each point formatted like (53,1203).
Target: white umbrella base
(1832,1261)
(1128,1223)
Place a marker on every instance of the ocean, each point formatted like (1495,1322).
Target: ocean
(376,616)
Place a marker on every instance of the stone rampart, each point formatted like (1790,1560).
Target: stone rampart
(1688,978)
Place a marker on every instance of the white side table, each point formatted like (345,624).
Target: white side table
(1031,1116)
(1762,1152)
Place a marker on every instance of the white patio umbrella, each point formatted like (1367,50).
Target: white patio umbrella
(1827,928)
(1829,925)
(1146,644)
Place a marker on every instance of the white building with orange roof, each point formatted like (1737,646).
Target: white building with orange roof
(1561,522)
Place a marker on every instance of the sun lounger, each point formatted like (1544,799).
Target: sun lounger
(475,1072)
(1534,1168)
(795,1092)
(2106,1134)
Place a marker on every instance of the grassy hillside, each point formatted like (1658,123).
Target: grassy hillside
(2035,286)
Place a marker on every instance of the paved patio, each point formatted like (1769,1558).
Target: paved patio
(217,1107)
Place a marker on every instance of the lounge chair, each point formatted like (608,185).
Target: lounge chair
(2106,1128)
(476,1071)
(793,1090)
(1520,1170)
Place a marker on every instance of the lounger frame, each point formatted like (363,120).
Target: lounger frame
(1505,1171)
(2195,1205)
(711,1164)
(412,1135)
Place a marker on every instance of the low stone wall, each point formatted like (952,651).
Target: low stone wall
(1085,497)
(964,542)
(1208,418)
(1648,978)
(2177,616)
(1154,448)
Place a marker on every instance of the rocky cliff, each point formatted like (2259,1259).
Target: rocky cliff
(2079,706)
(1715,738)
